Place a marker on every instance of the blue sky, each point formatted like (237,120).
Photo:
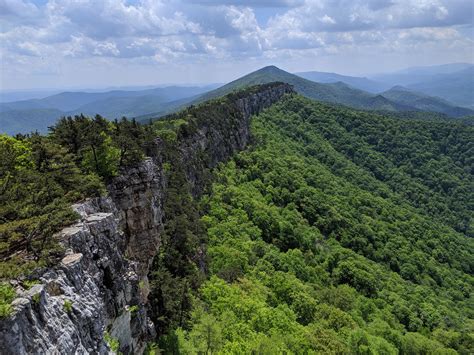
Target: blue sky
(99,43)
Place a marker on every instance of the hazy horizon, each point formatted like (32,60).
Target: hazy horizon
(105,87)
(59,44)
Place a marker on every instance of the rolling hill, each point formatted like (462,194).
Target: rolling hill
(28,120)
(452,82)
(424,102)
(356,82)
(456,87)
(37,114)
(335,93)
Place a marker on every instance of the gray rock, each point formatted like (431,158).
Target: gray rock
(110,250)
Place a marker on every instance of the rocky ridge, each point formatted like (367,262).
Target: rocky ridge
(95,300)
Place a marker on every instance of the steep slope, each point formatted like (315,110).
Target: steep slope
(94,298)
(332,235)
(356,82)
(424,102)
(338,92)
(337,231)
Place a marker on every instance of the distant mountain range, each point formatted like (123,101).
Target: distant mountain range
(393,100)
(424,102)
(452,82)
(446,89)
(354,81)
(456,87)
(339,92)
(37,114)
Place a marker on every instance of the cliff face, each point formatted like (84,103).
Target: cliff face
(97,295)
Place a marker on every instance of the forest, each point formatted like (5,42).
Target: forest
(337,231)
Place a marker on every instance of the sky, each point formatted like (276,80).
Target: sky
(103,43)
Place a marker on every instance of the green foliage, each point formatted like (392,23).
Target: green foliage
(112,342)
(338,93)
(175,271)
(324,239)
(205,337)
(41,176)
(36,298)
(27,284)
(133,310)
(102,146)
(67,306)
(7,294)
(152,349)
(338,232)
(39,181)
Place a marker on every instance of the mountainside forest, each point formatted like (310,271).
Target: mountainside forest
(336,231)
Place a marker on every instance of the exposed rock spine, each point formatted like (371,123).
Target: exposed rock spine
(109,251)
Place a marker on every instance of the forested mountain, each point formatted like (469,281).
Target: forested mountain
(334,230)
(452,82)
(354,81)
(456,87)
(338,92)
(328,90)
(336,233)
(424,102)
(37,114)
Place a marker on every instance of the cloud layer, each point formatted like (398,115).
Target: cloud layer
(35,36)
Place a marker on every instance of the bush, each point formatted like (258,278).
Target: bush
(7,295)
(67,306)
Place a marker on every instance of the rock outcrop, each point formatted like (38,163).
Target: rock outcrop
(95,300)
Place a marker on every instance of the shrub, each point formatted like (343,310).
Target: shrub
(7,295)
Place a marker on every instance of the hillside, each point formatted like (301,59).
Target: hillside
(452,82)
(38,114)
(328,236)
(258,222)
(338,93)
(356,82)
(28,120)
(424,102)
(333,92)
(456,87)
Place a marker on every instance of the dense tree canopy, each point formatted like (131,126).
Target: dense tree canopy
(338,232)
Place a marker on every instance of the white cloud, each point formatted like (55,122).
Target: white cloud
(185,32)
(328,20)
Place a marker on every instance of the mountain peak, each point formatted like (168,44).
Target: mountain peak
(270,68)
(399,88)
